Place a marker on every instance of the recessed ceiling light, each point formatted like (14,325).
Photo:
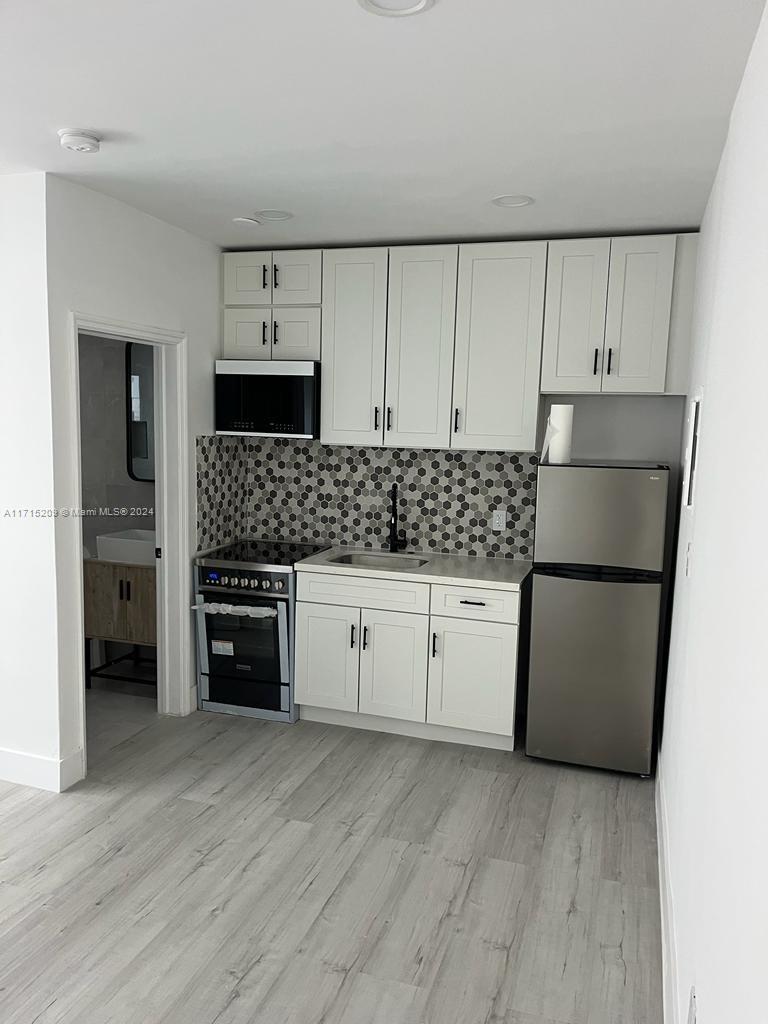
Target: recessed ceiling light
(508,201)
(79,140)
(273,215)
(245,220)
(396,8)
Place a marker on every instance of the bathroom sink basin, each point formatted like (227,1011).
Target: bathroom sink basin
(382,560)
(136,547)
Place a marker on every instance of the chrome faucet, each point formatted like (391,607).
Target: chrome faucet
(396,543)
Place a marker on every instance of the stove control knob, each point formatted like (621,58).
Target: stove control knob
(243,581)
(224,580)
(279,585)
(265,584)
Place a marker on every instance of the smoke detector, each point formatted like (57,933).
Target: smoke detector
(79,140)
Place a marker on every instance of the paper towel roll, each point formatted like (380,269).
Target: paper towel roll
(557,440)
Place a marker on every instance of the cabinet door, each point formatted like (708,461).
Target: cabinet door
(472,675)
(297,276)
(574,315)
(247,278)
(141,605)
(637,319)
(327,656)
(104,606)
(354,339)
(393,665)
(247,333)
(420,329)
(296,333)
(499,312)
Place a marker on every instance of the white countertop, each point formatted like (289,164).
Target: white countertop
(456,570)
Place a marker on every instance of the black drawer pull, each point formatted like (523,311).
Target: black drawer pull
(376,417)
(275,282)
(352,638)
(365,638)
(610,360)
(274,332)
(128,590)
(434,645)
(479,604)
(264,338)
(456,421)
(389,418)
(120,590)
(264,278)
(594,366)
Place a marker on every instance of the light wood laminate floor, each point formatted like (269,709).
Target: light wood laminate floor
(219,869)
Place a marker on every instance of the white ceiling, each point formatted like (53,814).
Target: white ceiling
(612,114)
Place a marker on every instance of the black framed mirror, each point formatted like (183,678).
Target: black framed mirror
(140,411)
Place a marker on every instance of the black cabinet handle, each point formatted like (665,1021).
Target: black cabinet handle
(594,365)
(120,590)
(365,637)
(264,278)
(352,637)
(376,417)
(434,645)
(478,604)
(128,590)
(274,332)
(456,421)
(610,359)
(264,338)
(389,418)
(275,282)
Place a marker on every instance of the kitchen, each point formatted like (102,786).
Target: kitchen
(379,440)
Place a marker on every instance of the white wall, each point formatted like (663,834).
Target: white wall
(713,773)
(29,730)
(104,260)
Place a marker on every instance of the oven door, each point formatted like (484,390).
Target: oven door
(243,653)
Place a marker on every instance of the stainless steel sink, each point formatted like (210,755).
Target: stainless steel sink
(383,560)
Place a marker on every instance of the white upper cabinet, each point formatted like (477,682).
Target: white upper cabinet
(420,331)
(289,278)
(354,343)
(574,317)
(297,277)
(638,311)
(499,315)
(247,333)
(247,278)
(393,665)
(295,332)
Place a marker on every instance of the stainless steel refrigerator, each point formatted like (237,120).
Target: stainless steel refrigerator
(596,612)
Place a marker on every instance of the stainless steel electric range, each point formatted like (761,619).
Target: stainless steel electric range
(245,606)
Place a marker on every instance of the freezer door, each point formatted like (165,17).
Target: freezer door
(593,672)
(591,515)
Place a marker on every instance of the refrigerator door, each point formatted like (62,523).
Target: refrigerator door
(593,672)
(590,515)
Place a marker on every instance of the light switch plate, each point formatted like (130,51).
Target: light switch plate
(499,520)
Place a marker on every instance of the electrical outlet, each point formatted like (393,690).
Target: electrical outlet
(692,1007)
(499,520)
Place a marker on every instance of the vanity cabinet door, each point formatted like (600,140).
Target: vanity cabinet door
(472,670)
(247,278)
(574,318)
(296,333)
(638,313)
(499,319)
(297,276)
(104,593)
(327,656)
(354,342)
(420,331)
(247,333)
(141,604)
(393,665)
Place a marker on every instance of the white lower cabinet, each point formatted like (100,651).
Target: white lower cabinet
(472,675)
(393,665)
(327,656)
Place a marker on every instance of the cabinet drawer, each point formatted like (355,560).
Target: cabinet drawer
(476,603)
(392,595)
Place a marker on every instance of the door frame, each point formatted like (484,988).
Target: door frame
(175,683)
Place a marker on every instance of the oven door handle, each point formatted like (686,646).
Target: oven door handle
(252,611)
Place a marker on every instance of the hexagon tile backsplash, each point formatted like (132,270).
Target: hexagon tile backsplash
(305,490)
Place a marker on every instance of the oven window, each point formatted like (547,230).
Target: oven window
(243,649)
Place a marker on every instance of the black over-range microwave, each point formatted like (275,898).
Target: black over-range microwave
(269,399)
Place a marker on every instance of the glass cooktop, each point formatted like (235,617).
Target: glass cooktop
(262,552)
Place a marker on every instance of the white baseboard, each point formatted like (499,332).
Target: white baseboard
(401,727)
(48,773)
(668,936)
